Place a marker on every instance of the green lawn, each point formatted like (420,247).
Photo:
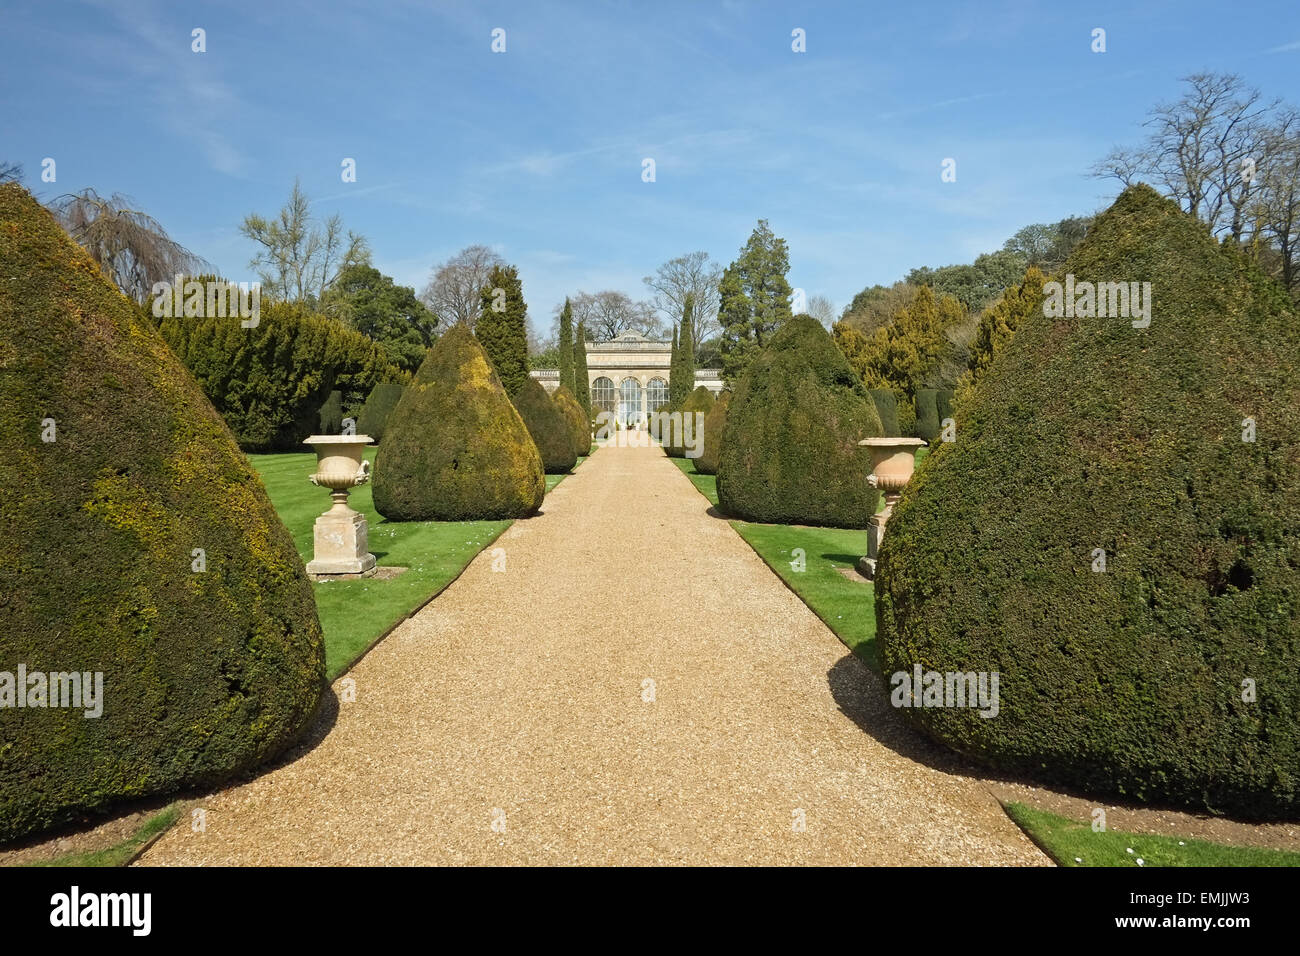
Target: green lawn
(847,606)
(354,614)
(122,853)
(1071,843)
(707,485)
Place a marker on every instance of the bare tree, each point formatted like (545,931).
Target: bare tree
(301,257)
(1202,150)
(455,286)
(610,313)
(130,246)
(10,171)
(692,274)
(822,309)
(1277,209)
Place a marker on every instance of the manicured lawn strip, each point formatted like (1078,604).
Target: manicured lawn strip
(1071,843)
(707,485)
(355,614)
(126,851)
(847,607)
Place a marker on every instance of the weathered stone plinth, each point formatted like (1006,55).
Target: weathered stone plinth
(341,545)
(341,538)
(875,532)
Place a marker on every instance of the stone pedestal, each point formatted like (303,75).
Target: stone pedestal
(892,463)
(341,543)
(875,532)
(341,538)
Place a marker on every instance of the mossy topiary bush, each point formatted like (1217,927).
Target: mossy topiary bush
(373,418)
(139,544)
(927,414)
(887,408)
(790,450)
(1087,440)
(549,427)
(579,427)
(715,423)
(455,449)
(698,402)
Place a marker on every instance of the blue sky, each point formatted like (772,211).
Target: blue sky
(538,151)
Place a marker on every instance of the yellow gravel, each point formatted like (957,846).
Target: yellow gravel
(635,687)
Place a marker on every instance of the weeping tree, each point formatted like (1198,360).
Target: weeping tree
(130,246)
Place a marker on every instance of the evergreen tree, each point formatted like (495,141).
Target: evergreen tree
(901,355)
(582,385)
(1000,320)
(566,348)
(686,346)
(502,327)
(677,388)
(755,299)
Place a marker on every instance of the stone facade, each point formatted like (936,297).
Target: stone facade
(629,375)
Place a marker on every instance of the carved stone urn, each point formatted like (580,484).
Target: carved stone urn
(341,535)
(893,460)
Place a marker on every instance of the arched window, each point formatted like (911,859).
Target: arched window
(656,395)
(629,401)
(603,395)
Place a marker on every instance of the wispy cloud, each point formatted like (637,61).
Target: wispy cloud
(1285,47)
(194,104)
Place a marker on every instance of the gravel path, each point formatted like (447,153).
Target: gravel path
(508,722)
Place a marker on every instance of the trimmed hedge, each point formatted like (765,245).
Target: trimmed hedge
(373,419)
(906,417)
(269,382)
(790,450)
(715,423)
(579,427)
(927,414)
(206,673)
(943,404)
(887,408)
(331,414)
(1087,436)
(700,400)
(455,448)
(549,427)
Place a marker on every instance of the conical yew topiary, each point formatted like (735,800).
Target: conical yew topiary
(373,418)
(156,621)
(455,448)
(549,427)
(714,424)
(1115,532)
(579,426)
(790,450)
(696,408)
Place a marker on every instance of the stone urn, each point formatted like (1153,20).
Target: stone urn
(341,535)
(893,460)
